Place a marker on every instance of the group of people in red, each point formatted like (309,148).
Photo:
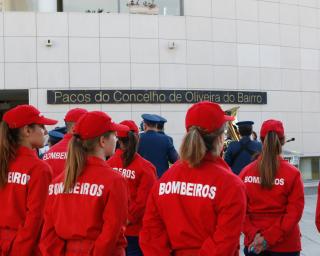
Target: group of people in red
(74,202)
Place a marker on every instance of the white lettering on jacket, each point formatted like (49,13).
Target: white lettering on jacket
(18,178)
(187,189)
(55,155)
(79,188)
(256,180)
(129,174)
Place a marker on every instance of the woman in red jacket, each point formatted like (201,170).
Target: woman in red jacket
(198,205)
(24,180)
(275,198)
(87,205)
(140,175)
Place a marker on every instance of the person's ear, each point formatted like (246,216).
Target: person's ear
(102,141)
(25,131)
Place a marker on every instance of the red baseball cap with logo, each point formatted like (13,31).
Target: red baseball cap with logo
(74,114)
(96,123)
(24,115)
(272,125)
(132,127)
(207,115)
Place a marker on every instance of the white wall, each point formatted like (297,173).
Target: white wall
(271,46)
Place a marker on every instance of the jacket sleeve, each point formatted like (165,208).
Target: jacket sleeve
(231,214)
(153,239)
(248,229)
(114,217)
(50,243)
(318,210)
(228,156)
(28,234)
(172,153)
(277,232)
(137,207)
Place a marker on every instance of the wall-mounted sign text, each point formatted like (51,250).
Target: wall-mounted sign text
(153,97)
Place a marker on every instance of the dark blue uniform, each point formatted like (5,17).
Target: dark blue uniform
(240,153)
(170,138)
(158,149)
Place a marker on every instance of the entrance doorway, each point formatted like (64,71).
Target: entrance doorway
(12,98)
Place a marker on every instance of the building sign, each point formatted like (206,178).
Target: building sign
(153,97)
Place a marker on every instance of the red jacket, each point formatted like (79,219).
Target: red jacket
(318,210)
(194,211)
(140,175)
(57,155)
(22,202)
(275,213)
(91,218)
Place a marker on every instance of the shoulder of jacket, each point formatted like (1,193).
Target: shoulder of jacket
(41,166)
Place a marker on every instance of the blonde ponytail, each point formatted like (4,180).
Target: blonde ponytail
(196,143)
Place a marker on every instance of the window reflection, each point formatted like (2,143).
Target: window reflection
(166,7)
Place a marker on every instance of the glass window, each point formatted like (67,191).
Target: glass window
(166,7)
(162,7)
(309,167)
(90,5)
(20,5)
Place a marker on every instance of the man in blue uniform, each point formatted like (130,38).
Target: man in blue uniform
(241,153)
(160,126)
(156,147)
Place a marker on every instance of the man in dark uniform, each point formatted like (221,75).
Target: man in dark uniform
(160,126)
(156,147)
(241,153)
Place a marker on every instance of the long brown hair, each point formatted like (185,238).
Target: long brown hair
(78,150)
(268,162)
(130,145)
(8,144)
(196,143)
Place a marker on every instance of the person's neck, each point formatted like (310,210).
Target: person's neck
(99,154)
(26,144)
(151,129)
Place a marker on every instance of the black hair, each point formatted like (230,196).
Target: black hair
(245,130)
(130,145)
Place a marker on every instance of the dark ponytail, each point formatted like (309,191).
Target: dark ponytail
(129,147)
(268,163)
(8,144)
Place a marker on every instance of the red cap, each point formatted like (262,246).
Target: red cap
(96,123)
(132,127)
(207,115)
(74,114)
(272,126)
(25,114)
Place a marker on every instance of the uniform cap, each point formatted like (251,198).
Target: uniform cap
(55,135)
(150,118)
(131,126)
(96,123)
(62,129)
(162,120)
(245,123)
(24,115)
(207,115)
(74,114)
(272,125)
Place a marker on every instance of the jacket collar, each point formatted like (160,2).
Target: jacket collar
(24,151)
(93,160)
(67,136)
